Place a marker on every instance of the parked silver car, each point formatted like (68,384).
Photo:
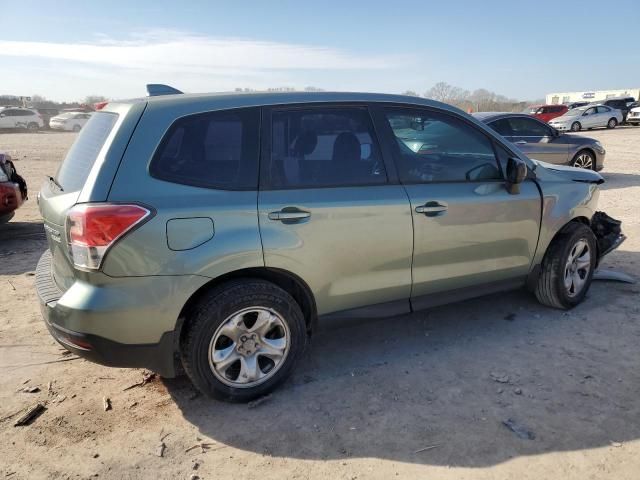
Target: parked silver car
(588,117)
(541,142)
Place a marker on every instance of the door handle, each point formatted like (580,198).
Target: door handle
(289,215)
(521,142)
(432,209)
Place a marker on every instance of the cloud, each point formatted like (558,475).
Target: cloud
(170,51)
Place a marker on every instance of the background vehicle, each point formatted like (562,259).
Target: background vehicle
(634,116)
(588,117)
(546,112)
(542,142)
(237,221)
(13,188)
(69,121)
(14,117)
(47,114)
(618,104)
(576,105)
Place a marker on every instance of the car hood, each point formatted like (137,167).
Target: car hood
(549,170)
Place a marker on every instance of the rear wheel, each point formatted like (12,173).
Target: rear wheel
(612,123)
(584,159)
(567,268)
(576,127)
(76,128)
(33,126)
(242,340)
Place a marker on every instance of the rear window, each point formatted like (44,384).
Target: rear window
(75,169)
(211,150)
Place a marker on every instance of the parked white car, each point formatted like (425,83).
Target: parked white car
(588,117)
(634,116)
(69,121)
(16,117)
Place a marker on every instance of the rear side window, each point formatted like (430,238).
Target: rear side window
(211,150)
(75,169)
(324,147)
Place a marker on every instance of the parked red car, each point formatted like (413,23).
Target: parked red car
(546,112)
(13,189)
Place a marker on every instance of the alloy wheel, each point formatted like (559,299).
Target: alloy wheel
(584,160)
(249,347)
(576,270)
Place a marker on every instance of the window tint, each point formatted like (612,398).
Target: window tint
(83,153)
(603,109)
(527,127)
(324,147)
(590,111)
(211,150)
(501,126)
(436,147)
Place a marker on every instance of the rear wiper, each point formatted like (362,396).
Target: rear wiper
(55,182)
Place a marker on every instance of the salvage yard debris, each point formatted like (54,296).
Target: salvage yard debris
(519,430)
(30,415)
(146,378)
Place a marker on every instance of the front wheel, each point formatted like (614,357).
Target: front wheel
(76,128)
(584,159)
(242,340)
(612,123)
(33,126)
(567,267)
(576,127)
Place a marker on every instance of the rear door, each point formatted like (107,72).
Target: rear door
(536,139)
(328,211)
(470,235)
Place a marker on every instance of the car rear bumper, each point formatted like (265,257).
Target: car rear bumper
(71,323)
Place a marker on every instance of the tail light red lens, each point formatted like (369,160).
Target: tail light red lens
(94,228)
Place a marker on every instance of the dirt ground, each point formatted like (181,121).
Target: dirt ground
(417,396)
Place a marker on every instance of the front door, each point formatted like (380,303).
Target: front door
(469,233)
(327,211)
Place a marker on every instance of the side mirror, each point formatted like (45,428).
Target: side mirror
(516,173)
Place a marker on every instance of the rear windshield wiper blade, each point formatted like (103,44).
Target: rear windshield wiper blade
(55,182)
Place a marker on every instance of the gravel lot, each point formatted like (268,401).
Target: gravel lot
(416,396)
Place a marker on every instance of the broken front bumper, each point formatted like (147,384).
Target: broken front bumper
(608,232)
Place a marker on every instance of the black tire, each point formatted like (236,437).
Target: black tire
(584,159)
(5,218)
(33,127)
(76,128)
(213,310)
(576,127)
(550,289)
(612,123)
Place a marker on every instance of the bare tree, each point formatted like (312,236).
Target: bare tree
(443,92)
(411,93)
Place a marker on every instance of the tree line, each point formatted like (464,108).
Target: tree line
(479,100)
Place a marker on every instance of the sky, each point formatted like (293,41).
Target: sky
(66,50)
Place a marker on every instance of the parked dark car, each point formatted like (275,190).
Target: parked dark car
(621,103)
(542,142)
(13,189)
(576,104)
(47,114)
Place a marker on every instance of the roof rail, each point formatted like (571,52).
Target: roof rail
(155,89)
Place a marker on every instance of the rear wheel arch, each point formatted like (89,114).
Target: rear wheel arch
(291,283)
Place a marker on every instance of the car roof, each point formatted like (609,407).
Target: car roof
(487,117)
(224,100)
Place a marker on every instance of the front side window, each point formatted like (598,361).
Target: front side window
(527,127)
(436,147)
(502,126)
(323,147)
(211,150)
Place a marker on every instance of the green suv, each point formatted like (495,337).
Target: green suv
(215,231)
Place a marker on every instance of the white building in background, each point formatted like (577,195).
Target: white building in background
(590,95)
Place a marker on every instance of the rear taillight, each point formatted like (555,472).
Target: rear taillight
(94,228)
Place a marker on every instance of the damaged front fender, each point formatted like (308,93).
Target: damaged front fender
(608,232)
